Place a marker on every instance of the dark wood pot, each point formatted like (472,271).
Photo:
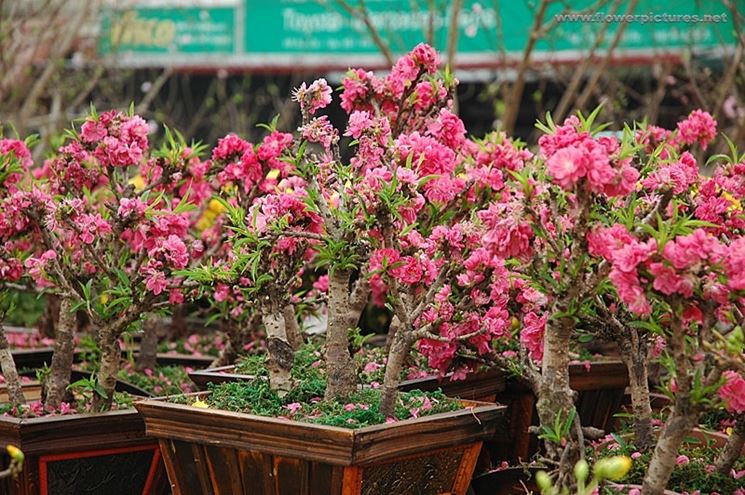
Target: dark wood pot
(209,451)
(80,454)
(600,395)
(32,358)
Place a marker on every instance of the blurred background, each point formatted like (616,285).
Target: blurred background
(209,67)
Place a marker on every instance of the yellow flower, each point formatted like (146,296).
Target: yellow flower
(216,206)
(273,174)
(104,298)
(138,181)
(736,205)
(613,468)
(201,404)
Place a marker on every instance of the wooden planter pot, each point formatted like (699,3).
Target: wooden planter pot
(81,454)
(600,395)
(209,451)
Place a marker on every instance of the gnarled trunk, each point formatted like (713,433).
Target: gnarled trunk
(555,397)
(281,357)
(731,451)
(342,378)
(148,356)
(10,373)
(396,357)
(64,349)
(680,422)
(111,356)
(634,355)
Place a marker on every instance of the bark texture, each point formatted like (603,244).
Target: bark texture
(64,350)
(294,335)
(554,394)
(678,426)
(733,449)
(281,357)
(342,378)
(111,355)
(396,358)
(148,356)
(10,373)
(634,355)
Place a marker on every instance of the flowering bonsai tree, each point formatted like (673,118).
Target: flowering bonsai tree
(400,219)
(15,243)
(682,275)
(108,246)
(616,218)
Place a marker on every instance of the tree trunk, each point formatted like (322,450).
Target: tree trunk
(634,355)
(111,356)
(731,452)
(678,425)
(48,321)
(281,356)
(64,349)
(10,373)
(294,335)
(555,397)
(392,331)
(179,326)
(396,357)
(342,378)
(148,356)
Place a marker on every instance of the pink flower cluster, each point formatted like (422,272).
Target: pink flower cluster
(115,139)
(699,127)
(572,154)
(733,392)
(314,97)
(688,265)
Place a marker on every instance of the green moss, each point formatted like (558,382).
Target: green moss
(304,402)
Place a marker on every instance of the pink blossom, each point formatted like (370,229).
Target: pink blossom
(448,129)
(175,251)
(733,392)
(314,97)
(349,407)
(322,284)
(630,291)
(156,282)
(682,460)
(567,166)
(357,85)
(92,131)
(699,127)
(128,206)
(293,407)
(531,335)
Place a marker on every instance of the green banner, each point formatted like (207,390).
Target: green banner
(323,34)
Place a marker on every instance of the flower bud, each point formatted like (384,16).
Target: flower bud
(613,468)
(543,480)
(581,470)
(15,453)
